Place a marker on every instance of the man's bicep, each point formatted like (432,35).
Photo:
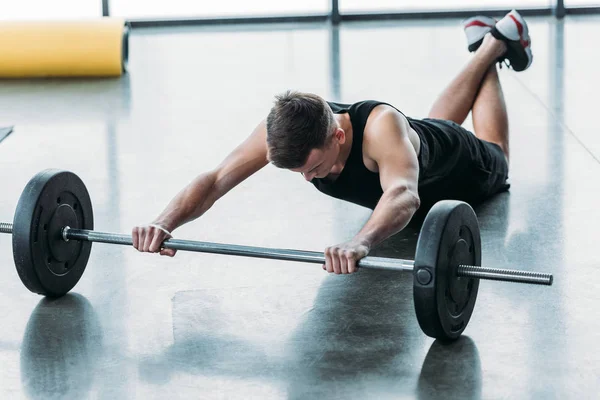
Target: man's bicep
(396,156)
(399,166)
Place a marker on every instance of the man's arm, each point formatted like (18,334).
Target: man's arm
(200,194)
(386,142)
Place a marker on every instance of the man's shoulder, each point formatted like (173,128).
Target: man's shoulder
(382,115)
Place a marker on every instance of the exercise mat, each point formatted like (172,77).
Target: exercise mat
(90,48)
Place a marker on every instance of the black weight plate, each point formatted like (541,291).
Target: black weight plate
(449,237)
(51,200)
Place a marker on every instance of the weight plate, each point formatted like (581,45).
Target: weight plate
(449,237)
(46,263)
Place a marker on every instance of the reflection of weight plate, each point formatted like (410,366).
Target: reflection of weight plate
(46,263)
(445,365)
(61,348)
(449,237)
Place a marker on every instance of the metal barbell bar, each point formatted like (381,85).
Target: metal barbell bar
(381,263)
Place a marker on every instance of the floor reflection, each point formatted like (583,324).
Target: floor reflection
(60,350)
(451,371)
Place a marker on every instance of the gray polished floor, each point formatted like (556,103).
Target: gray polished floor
(212,327)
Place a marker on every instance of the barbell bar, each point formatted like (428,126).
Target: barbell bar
(53,230)
(378,263)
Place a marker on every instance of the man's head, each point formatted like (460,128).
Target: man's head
(303,135)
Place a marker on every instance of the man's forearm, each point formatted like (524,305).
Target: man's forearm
(393,212)
(190,203)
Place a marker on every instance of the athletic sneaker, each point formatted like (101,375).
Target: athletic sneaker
(476,28)
(512,29)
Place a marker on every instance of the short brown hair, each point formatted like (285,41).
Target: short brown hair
(297,123)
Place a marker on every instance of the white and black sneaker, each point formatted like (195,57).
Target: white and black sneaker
(512,29)
(476,28)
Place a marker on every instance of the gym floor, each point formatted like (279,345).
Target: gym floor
(210,326)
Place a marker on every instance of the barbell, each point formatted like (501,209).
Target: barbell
(52,234)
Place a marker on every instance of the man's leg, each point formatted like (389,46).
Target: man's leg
(459,97)
(490,119)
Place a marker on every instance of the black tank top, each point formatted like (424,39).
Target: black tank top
(361,186)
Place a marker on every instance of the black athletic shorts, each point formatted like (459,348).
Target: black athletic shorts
(465,167)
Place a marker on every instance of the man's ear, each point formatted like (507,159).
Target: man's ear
(340,135)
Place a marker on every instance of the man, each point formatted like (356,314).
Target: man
(370,154)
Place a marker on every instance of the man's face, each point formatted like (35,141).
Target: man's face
(321,162)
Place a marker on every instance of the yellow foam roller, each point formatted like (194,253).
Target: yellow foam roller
(89,48)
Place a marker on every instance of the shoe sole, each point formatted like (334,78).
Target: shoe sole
(474,46)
